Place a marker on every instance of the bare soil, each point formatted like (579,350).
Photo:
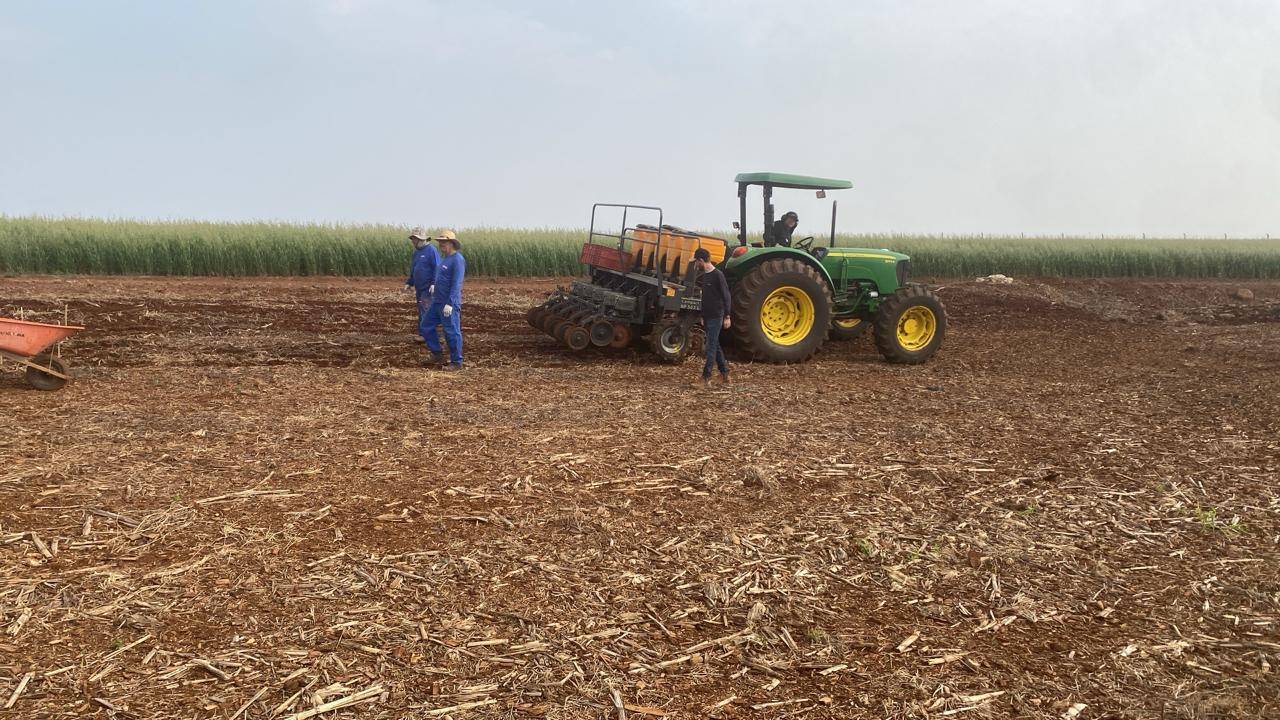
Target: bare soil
(254,502)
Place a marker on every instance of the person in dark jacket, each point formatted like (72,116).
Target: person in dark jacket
(422,274)
(446,302)
(716,306)
(780,233)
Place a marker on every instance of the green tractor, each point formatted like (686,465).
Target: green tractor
(787,297)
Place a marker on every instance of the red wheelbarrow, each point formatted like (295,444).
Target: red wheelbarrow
(27,344)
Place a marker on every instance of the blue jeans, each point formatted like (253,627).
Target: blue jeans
(715,353)
(452,331)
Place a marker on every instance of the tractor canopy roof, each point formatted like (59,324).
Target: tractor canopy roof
(787,180)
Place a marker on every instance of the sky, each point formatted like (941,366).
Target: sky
(996,116)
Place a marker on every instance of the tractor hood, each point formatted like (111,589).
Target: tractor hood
(864,254)
(839,266)
(888,256)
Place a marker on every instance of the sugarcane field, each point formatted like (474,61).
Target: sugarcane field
(253,502)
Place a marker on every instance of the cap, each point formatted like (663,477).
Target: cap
(418,234)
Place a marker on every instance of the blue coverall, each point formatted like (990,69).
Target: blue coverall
(421,274)
(449,275)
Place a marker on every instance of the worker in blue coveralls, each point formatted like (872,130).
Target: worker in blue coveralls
(422,273)
(446,302)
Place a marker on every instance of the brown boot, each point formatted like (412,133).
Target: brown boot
(724,378)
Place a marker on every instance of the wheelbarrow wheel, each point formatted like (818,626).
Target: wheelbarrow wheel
(42,380)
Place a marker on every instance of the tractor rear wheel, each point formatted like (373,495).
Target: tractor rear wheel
(848,328)
(670,341)
(42,380)
(909,325)
(781,311)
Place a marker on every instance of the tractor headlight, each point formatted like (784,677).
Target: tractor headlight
(904,272)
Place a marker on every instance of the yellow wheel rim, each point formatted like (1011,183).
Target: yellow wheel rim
(916,327)
(786,315)
(848,323)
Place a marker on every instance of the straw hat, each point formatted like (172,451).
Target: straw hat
(448,236)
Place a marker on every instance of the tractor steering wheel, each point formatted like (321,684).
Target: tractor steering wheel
(805,244)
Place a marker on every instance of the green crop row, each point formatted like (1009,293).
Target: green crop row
(32,245)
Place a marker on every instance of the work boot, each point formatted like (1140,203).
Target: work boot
(724,378)
(706,382)
(437,359)
(453,367)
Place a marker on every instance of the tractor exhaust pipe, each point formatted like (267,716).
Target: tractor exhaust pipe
(833,223)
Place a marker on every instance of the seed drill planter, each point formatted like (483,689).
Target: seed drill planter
(788,299)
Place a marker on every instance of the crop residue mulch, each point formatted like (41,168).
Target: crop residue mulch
(253,504)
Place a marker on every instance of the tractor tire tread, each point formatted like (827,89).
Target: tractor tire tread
(886,324)
(747,294)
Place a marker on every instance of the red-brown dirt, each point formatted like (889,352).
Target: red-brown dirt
(253,501)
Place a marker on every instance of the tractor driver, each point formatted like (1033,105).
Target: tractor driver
(780,233)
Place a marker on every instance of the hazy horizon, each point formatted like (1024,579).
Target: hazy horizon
(997,117)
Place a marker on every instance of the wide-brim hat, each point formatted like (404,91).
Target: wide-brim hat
(419,234)
(447,236)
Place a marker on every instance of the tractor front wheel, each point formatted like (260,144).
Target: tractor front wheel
(781,311)
(909,325)
(848,328)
